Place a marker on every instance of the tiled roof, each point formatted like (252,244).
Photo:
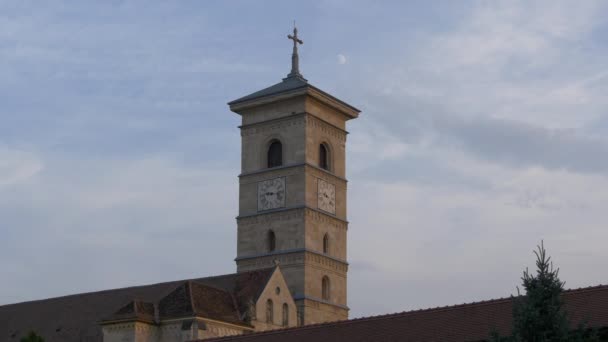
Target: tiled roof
(287,86)
(135,310)
(465,322)
(196,299)
(77,317)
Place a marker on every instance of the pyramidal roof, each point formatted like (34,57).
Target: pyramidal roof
(292,86)
(288,84)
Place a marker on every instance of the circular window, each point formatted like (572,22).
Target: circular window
(277,290)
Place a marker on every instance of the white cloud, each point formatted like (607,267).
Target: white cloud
(17,166)
(93,221)
(464,243)
(469,150)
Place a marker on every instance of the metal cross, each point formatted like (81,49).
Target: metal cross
(295,62)
(295,39)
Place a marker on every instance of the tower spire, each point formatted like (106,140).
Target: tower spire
(295,62)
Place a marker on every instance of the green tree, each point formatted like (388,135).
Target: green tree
(32,337)
(538,316)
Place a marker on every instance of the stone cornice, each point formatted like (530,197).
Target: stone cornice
(128,320)
(291,117)
(273,124)
(319,300)
(344,108)
(326,127)
(291,251)
(290,166)
(294,257)
(322,173)
(292,212)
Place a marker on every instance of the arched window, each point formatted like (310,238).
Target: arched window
(325,288)
(326,243)
(285,314)
(269,311)
(275,154)
(272,241)
(323,157)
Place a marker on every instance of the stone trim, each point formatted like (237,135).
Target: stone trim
(204,319)
(128,320)
(119,325)
(273,124)
(322,261)
(270,215)
(319,300)
(289,166)
(326,218)
(236,326)
(340,129)
(290,251)
(263,217)
(294,256)
(285,260)
(322,172)
(326,127)
(279,171)
(344,108)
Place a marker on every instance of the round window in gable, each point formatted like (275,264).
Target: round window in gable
(277,290)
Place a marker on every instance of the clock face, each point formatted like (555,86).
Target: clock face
(327,196)
(271,194)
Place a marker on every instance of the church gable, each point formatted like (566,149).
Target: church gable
(275,307)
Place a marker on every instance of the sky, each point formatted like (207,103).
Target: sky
(484,130)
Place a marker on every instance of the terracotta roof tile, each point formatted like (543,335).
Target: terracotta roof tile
(464,322)
(196,299)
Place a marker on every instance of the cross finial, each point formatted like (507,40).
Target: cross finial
(295,63)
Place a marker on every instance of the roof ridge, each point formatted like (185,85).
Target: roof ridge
(188,285)
(126,288)
(586,288)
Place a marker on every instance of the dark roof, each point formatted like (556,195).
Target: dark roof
(466,322)
(77,317)
(136,310)
(287,85)
(194,299)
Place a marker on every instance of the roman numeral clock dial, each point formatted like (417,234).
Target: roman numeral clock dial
(271,194)
(327,196)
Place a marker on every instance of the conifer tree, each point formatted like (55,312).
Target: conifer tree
(32,337)
(538,315)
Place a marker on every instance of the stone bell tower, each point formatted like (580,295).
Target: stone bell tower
(292,195)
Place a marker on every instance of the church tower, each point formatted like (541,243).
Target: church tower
(292,194)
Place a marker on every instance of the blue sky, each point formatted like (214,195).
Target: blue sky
(483,130)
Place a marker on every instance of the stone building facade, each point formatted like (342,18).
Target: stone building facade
(294,211)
